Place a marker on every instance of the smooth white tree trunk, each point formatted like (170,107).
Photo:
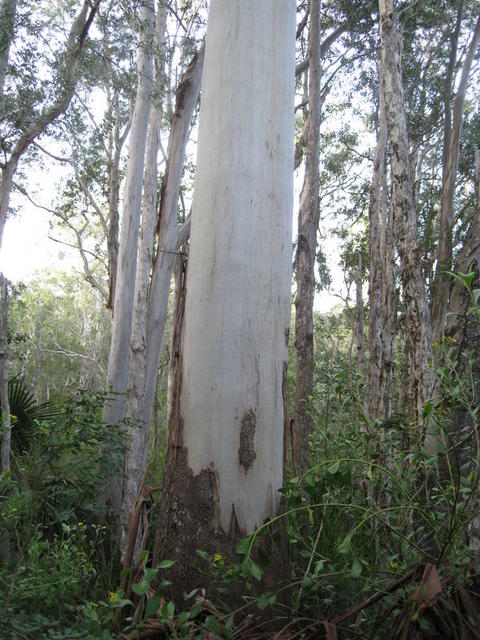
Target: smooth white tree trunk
(119,358)
(136,454)
(226,441)
(237,310)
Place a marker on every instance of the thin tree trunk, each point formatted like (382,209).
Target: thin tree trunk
(151,315)
(8,9)
(404,215)
(170,236)
(308,219)
(138,434)
(389,306)
(375,360)
(118,362)
(225,451)
(6,420)
(441,282)
(360,319)
(76,39)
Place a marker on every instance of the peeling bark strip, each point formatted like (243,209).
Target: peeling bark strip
(175,422)
(246,450)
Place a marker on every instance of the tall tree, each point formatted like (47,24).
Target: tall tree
(308,219)
(118,363)
(375,291)
(225,454)
(417,312)
(152,294)
(441,283)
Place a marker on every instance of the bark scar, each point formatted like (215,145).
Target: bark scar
(246,450)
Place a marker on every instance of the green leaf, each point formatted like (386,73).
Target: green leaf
(256,571)
(152,606)
(165,564)
(427,409)
(356,569)
(140,588)
(202,554)
(346,545)
(244,545)
(475,296)
(333,468)
(246,568)
(183,617)
(262,602)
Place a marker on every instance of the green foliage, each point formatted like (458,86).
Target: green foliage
(24,411)
(54,564)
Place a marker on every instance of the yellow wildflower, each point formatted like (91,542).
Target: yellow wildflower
(217,557)
(112,596)
(394,565)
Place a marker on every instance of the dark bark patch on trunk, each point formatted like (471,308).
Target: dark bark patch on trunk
(246,450)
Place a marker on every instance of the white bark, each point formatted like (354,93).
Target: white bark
(135,457)
(170,237)
(441,284)
(237,311)
(118,363)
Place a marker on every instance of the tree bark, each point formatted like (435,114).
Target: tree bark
(5,416)
(441,283)
(119,358)
(76,39)
(404,215)
(360,320)
(225,451)
(8,10)
(389,306)
(308,219)
(152,296)
(375,360)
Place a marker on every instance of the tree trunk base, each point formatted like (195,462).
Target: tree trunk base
(189,522)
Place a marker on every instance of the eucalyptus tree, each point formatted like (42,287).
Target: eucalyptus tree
(33,123)
(452,137)
(153,283)
(118,363)
(225,455)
